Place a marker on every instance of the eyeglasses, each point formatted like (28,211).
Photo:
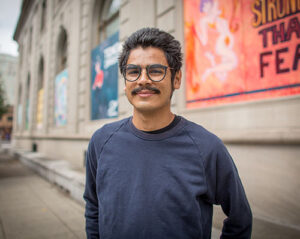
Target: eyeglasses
(155,72)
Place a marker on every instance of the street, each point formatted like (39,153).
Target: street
(32,208)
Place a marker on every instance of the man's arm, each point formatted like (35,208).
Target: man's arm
(225,188)
(90,194)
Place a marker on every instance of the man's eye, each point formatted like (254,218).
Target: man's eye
(156,71)
(132,72)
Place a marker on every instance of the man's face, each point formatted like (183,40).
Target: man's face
(145,95)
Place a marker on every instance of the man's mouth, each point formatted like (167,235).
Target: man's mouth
(145,91)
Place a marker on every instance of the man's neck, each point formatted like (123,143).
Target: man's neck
(151,121)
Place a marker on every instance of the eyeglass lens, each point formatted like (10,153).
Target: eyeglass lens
(155,72)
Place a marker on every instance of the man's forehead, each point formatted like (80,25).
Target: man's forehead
(147,49)
(147,53)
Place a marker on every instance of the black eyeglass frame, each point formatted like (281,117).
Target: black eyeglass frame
(147,71)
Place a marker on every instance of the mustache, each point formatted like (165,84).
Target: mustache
(147,87)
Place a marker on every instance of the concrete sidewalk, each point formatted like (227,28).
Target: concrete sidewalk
(33,208)
(72,180)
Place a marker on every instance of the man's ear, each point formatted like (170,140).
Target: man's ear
(177,79)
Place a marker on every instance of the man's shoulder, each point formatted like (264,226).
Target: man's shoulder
(202,136)
(107,130)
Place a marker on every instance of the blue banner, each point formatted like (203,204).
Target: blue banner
(104,82)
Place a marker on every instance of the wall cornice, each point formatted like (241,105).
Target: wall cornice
(25,9)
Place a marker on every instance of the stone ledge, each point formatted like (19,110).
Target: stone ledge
(59,172)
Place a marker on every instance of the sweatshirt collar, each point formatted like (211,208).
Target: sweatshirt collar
(143,135)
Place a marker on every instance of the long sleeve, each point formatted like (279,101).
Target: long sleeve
(90,195)
(225,189)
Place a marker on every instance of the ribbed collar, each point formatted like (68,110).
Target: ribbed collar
(160,136)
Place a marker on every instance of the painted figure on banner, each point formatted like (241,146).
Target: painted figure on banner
(223,44)
(98,81)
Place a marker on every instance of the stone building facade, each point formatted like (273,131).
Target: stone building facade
(262,135)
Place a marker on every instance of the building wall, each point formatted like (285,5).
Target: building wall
(263,135)
(270,176)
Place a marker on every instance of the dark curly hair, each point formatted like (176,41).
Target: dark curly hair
(153,37)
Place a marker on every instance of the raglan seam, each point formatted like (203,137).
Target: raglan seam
(200,154)
(108,138)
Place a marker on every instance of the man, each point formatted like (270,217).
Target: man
(156,175)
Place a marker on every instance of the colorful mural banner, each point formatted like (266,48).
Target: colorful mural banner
(104,82)
(40,106)
(241,50)
(60,99)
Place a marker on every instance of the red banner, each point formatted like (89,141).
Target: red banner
(239,50)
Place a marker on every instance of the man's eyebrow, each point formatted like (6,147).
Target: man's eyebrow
(137,66)
(132,66)
(156,65)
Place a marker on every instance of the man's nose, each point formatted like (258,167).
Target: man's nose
(144,78)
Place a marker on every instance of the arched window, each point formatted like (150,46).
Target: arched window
(27,102)
(41,74)
(61,80)
(43,16)
(30,39)
(62,51)
(40,94)
(108,18)
(104,59)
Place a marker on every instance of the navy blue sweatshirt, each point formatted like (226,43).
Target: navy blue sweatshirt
(149,186)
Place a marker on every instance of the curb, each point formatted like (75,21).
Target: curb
(58,172)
